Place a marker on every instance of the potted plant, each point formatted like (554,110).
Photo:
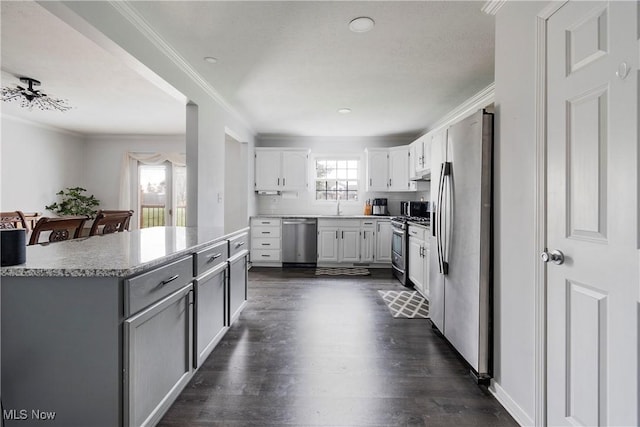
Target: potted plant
(74,202)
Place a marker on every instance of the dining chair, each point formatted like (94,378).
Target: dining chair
(13,219)
(61,228)
(111,221)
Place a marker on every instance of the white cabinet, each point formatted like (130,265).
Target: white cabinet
(383,241)
(351,241)
(399,161)
(388,169)
(281,170)
(421,157)
(377,169)
(238,279)
(367,241)
(419,259)
(266,241)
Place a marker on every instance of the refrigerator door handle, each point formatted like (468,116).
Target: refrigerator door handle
(449,227)
(439,218)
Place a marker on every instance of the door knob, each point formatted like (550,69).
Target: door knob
(555,256)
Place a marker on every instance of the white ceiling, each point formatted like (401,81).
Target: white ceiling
(287,67)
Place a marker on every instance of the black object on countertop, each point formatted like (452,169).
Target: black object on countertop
(13,246)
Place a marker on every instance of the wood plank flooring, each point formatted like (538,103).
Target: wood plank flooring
(316,350)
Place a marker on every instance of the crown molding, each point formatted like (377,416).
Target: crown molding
(480,100)
(141,24)
(491,7)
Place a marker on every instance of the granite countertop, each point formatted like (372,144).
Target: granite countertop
(117,254)
(323,216)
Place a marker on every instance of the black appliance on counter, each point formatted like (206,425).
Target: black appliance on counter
(380,207)
(417,212)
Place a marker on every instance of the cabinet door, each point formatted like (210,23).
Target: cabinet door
(426,156)
(237,285)
(294,170)
(350,245)
(268,168)
(211,320)
(416,268)
(367,245)
(158,357)
(399,169)
(377,170)
(383,241)
(328,245)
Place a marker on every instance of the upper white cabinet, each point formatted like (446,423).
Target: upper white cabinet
(399,160)
(281,169)
(421,157)
(377,169)
(388,169)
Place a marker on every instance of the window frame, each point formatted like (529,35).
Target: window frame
(337,157)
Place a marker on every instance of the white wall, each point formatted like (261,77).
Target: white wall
(235,185)
(103,160)
(37,162)
(514,198)
(304,202)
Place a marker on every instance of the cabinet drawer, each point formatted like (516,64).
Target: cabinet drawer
(368,223)
(265,231)
(238,243)
(257,222)
(258,255)
(265,243)
(417,232)
(147,288)
(209,258)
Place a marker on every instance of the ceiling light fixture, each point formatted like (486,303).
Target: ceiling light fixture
(30,97)
(344,110)
(210,59)
(361,24)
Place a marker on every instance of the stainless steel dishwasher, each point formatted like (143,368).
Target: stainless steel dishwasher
(299,236)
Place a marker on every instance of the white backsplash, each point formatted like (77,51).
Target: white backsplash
(303,203)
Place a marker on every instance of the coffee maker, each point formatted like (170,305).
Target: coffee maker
(380,207)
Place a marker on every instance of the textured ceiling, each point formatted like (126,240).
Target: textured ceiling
(285,66)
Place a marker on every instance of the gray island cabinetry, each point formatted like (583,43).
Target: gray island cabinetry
(107,330)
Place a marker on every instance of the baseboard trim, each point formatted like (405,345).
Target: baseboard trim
(510,405)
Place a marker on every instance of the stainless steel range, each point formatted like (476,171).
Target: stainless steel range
(414,212)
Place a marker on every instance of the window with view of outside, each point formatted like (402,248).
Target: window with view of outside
(337,179)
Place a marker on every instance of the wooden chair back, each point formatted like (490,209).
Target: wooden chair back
(61,228)
(13,219)
(111,222)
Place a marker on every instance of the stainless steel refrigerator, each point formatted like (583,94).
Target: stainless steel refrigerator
(460,242)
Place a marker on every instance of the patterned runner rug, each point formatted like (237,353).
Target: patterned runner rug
(342,271)
(406,304)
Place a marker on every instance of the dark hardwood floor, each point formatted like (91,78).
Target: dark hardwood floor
(323,350)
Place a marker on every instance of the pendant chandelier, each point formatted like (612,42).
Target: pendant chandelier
(30,97)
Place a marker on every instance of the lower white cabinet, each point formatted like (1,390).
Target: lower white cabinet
(210,318)
(158,357)
(353,241)
(266,241)
(419,259)
(237,284)
(384,232)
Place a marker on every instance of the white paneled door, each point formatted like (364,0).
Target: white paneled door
(592,216)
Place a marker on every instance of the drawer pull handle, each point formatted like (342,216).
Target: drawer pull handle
(266,232)
(239,244)
(169,280)
(214,257)
(266,256)
(266,244)
(266,222)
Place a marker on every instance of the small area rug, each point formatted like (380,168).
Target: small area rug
(406,304)
(342,271)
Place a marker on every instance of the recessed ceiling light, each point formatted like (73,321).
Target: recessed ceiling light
(344,110)
(210,59)
(361,24)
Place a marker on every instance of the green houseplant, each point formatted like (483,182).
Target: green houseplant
(74,202)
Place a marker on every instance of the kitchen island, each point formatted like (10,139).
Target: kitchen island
(107,330)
